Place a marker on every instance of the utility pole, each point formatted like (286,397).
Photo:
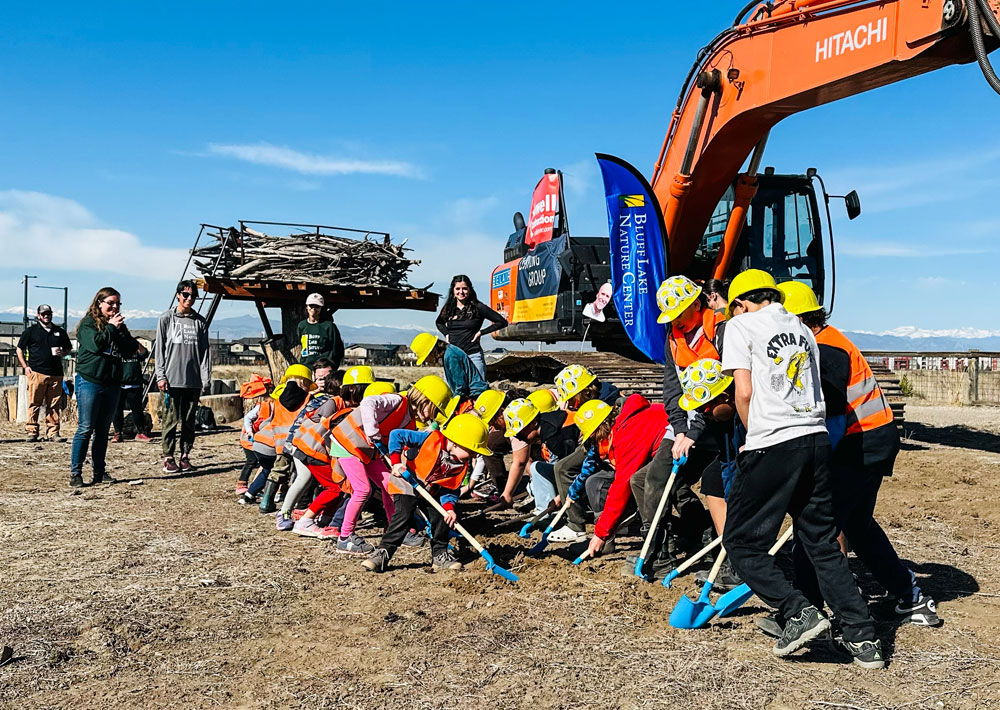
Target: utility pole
(26,277)
(65,290)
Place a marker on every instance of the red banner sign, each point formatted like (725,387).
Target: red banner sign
(544,209)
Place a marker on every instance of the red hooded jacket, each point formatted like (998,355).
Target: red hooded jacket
(635,437)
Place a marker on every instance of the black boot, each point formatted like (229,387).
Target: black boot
(76,481)
(726,580)
(267,504)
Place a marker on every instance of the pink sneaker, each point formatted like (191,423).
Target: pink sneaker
(142,437)
(241,488)
(298,513)
(329,533)
(307,527)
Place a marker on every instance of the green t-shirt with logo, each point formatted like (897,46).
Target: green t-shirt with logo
(320,340)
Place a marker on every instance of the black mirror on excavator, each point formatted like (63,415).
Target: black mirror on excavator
(853,204)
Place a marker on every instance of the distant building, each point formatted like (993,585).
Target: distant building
(378,354)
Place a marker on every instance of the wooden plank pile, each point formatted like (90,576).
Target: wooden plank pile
(315,257)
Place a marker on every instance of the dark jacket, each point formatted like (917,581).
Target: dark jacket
(100,352)
(679,419)
(466,323)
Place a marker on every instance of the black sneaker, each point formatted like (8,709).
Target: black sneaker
(725,580)
(103,478)
(446,560)
(378,561)
(922,612)
(76,481)
(770,624)
(867,654)
(799,630)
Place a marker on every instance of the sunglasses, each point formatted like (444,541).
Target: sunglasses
(186,295)
(112,304)
(45,314)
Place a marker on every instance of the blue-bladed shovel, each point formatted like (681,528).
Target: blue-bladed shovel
(537,518)
(491,565)
(639,563)
(543,543)
(693,615)
(675,573)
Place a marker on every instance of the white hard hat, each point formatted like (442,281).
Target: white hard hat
(315,299)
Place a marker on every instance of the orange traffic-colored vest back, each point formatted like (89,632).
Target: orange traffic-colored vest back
(262,432)
(703,346)
(426,467)
(867,406)
(350,432)
(276,430)
(313,437)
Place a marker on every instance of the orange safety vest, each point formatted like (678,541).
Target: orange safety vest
(313,437)
(260,429)
(350,432)
(427,463)
(867,407)
(273,435)
(703,344)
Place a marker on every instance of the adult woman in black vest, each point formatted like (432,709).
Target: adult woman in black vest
(461,320)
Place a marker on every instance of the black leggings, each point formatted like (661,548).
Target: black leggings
(402,522)
(249,465)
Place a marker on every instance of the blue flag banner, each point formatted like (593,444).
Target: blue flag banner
(638,256)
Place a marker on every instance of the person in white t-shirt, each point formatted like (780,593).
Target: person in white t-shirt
(784,468)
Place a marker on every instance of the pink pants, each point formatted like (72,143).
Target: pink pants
(361,477)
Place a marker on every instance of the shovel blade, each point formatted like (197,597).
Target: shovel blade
(526,530)
(638,567)
(541,545)
(669,579)
(733,599)
(492,566)
(686,613)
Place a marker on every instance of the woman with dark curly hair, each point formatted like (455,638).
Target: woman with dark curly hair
(103,342)
(461,320)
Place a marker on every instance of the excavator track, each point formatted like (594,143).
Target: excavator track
(630,376)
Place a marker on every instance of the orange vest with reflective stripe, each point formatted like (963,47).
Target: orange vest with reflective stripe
(867,406)
(313,437)
(703,346)
(276,430)
(264,415)
(350,432)
(427,466)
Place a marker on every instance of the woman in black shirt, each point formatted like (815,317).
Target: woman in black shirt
(461,320)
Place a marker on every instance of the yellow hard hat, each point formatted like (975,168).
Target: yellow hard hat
(276,392)
(590,416)
(544,400)
(517,415)
(674,295)
(299,370)
(747,281)
(488,404)
(449,409)
(435,389)
(422,345)
(377,388)
(360,375)
(799,298)
(469,432)
(702,381)
(572,380)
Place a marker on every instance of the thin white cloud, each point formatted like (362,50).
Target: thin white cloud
(312,164)
(900,249)
(40,231)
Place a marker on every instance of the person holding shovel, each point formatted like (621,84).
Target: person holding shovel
(440,459)
(785,469)
(863,456)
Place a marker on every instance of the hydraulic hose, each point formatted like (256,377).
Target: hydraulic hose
(979,43)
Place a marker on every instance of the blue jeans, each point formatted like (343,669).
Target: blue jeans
(542,484)
(96,406)
(479,361)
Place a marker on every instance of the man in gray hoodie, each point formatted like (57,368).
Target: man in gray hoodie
(183,368)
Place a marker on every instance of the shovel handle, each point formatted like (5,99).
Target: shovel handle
(719,559)
(659,511)
(419,488)
(582,557)
(562,510)
(699,554)
(781,541)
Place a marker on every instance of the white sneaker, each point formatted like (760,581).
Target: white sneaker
(307,527)
(567,534)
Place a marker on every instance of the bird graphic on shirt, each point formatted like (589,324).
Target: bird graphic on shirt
(793,371)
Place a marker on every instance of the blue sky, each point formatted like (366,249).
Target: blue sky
(126,125)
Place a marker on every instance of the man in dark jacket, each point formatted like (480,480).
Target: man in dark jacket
(41,349)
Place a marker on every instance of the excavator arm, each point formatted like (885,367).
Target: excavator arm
(789,56)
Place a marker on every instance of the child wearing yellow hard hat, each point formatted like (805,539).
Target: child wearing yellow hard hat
(440,459)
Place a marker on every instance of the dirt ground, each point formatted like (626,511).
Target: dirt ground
(167,593)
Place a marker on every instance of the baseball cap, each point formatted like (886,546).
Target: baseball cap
(315,299)
(45,308)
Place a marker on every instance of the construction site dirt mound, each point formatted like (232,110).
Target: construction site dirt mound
(167,593)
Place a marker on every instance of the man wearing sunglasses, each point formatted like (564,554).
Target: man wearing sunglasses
(183,369)
(41,349)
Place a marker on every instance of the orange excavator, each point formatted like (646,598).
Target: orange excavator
(777,58)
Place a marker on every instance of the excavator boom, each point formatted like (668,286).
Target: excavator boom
(787,57)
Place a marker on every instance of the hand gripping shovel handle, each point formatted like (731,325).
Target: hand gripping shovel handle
(537,518)
(491,564)
(639,563)
(587,553)
(735,598)
(690,561)
(550,527)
